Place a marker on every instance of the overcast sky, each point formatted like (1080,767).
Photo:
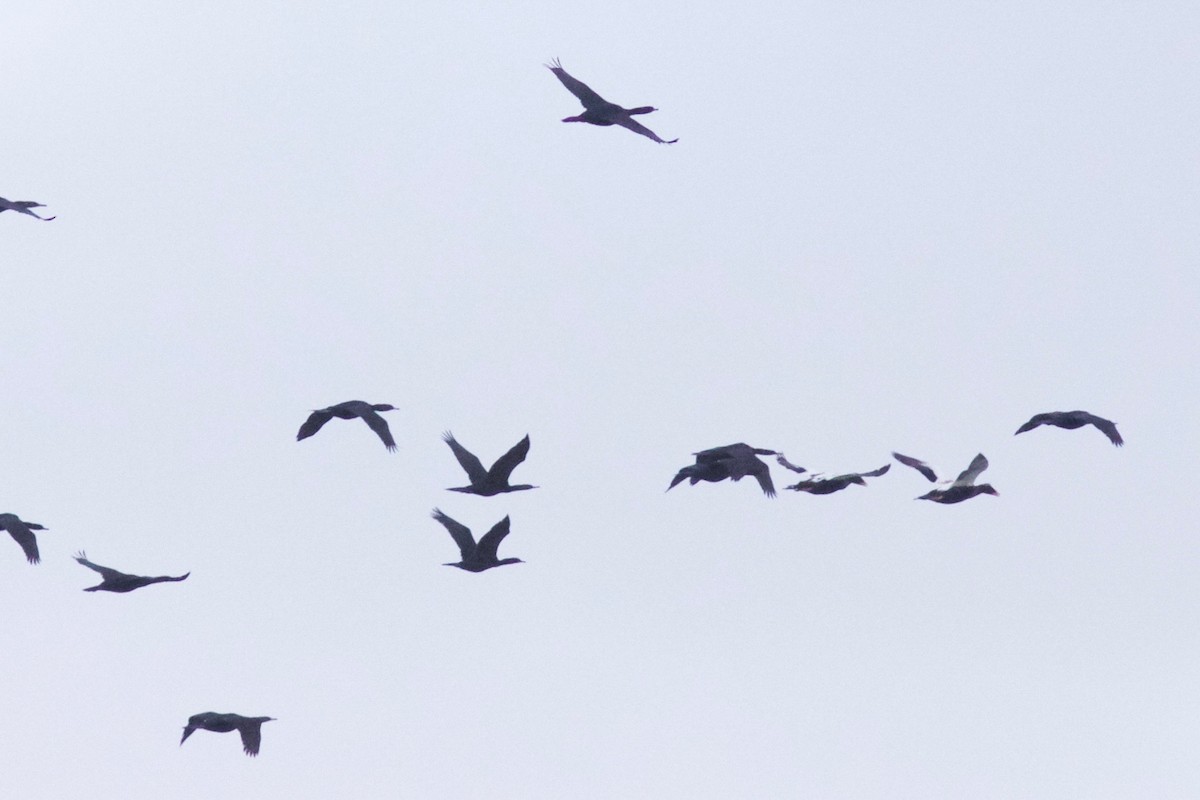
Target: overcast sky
(882,228)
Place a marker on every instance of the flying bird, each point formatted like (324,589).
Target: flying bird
(349,410)
(249,727)
(22,532)
(1072,420)
(917,464)
(115,581)
(963,487)
(476,557)
(734,461)
(23,207)
(487,482)
(837,482)
(599,111)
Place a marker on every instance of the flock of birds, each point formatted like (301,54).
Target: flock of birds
(736,461)
(732,462)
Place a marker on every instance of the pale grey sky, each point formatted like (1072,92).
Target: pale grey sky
(882,228)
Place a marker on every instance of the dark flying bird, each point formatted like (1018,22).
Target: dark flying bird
(249,727)
(837,482)
(22,532)
(487,482)
(734,461)
(115,581)
(23,207)
(599,111)
(918,465)
(963,487)
(349,410)
(481,556)
(1072,420)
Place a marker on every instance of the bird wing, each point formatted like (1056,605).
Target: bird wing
(490,542)
(578,88)
(24,537)
(679,476)
(761,473)
(461,533)
(967,476)
(107,572)
(637,127)
(783,462)
(1034,421)
(380,426)
(506,463)
(875,473)
(251,737)
(1108,428)
(917,464)
(313,424)
(467,459)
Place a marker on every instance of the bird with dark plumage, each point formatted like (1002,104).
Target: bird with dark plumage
(23,206)
(488,482)
(114,581)
(1072,420)
(963,487)
(476,557)
(734,461)
(250,728)
(598,111)
(815,485)
(349,410)
(22,532)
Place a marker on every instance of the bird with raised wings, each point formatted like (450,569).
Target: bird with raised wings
(488,482)
(1072,420)
(963,487)
(22,533)
(350,410)
(476,557)
(598,111)
(115,581)
(250,728)
(22,207)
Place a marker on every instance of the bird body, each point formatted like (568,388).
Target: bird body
(488,482)
(1072,420)
(23,206)
(598,111)
(349,410)
(22,533)
(476,557)
(250,728)
(115,581)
